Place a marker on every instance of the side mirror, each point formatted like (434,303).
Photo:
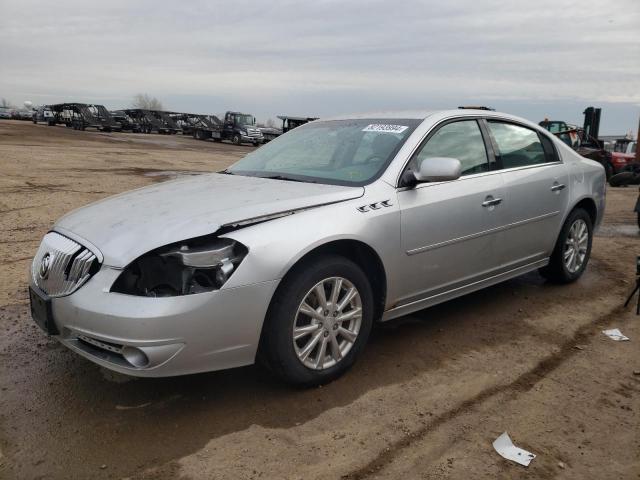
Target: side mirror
(438,169)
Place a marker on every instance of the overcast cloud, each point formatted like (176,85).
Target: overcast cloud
(533,58)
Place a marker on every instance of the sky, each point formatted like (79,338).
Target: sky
(535,58)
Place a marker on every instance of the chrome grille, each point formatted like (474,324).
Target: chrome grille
(61,265)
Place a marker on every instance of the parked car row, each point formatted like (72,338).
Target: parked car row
(237,127)
(15,113)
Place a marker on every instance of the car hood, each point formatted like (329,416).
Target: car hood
(125,226)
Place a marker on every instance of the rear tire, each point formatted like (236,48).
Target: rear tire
(572,250)
(339,339)
(621,179)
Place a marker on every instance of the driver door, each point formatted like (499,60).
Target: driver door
(451,231)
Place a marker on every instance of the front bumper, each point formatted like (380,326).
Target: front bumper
(252,139)
(157,337)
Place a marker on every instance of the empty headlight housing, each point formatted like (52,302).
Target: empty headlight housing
(184,268)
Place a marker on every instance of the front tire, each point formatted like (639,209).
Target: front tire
(236,139)
(573,248)
(318,322)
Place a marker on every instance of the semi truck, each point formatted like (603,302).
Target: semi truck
(236,127)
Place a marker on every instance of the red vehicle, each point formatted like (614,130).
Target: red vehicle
(623,154)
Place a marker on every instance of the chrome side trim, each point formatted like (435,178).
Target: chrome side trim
(429,301)
(481,174)
(481,234)
(484,116)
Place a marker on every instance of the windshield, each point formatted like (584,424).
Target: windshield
(245,119)
(340,152)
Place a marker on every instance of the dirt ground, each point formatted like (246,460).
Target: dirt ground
(426,400)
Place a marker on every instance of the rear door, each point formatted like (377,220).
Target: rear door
(537,191)
(451,230)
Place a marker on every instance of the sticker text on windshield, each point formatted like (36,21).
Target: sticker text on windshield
(385,128)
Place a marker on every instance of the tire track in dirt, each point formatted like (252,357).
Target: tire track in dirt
(521,384)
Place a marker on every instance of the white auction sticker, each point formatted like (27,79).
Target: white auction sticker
(385,128)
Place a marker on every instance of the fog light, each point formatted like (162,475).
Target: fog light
(135,356)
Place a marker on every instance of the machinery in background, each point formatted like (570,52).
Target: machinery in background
(585,140)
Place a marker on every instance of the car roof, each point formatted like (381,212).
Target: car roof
(439,114)
(422,114)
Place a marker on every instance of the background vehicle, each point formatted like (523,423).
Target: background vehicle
(81,116)
(6,113)
(584,140)
(241,128)
(270,133)
(201,127)
(22,114)
(127,123)
(167,123)
(288,123)
(44,114)
(623,154)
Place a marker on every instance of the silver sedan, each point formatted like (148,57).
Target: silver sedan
(293,253)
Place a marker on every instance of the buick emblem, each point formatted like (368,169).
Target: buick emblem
(45,264)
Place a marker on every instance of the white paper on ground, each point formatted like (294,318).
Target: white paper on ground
(505,447)
(615,334)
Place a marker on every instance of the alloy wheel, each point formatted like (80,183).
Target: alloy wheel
(327,323)
(575,246)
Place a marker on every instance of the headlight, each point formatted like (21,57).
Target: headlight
(184,268)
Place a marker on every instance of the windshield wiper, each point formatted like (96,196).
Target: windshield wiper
(289,179)
(226,172)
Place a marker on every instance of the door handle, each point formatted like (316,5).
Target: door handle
(557,187)
(490,202)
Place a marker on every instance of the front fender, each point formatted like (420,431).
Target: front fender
(275,246)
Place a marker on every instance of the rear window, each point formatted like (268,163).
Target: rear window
(517,146)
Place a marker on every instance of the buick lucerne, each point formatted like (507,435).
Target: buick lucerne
(293,253)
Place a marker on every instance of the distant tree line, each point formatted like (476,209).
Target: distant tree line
(146,102)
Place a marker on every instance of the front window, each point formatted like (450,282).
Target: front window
(340,152)
(461,140)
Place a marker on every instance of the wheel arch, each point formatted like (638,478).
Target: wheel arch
(362,255)
(589,205)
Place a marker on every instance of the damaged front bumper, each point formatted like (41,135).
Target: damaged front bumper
(156,337)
